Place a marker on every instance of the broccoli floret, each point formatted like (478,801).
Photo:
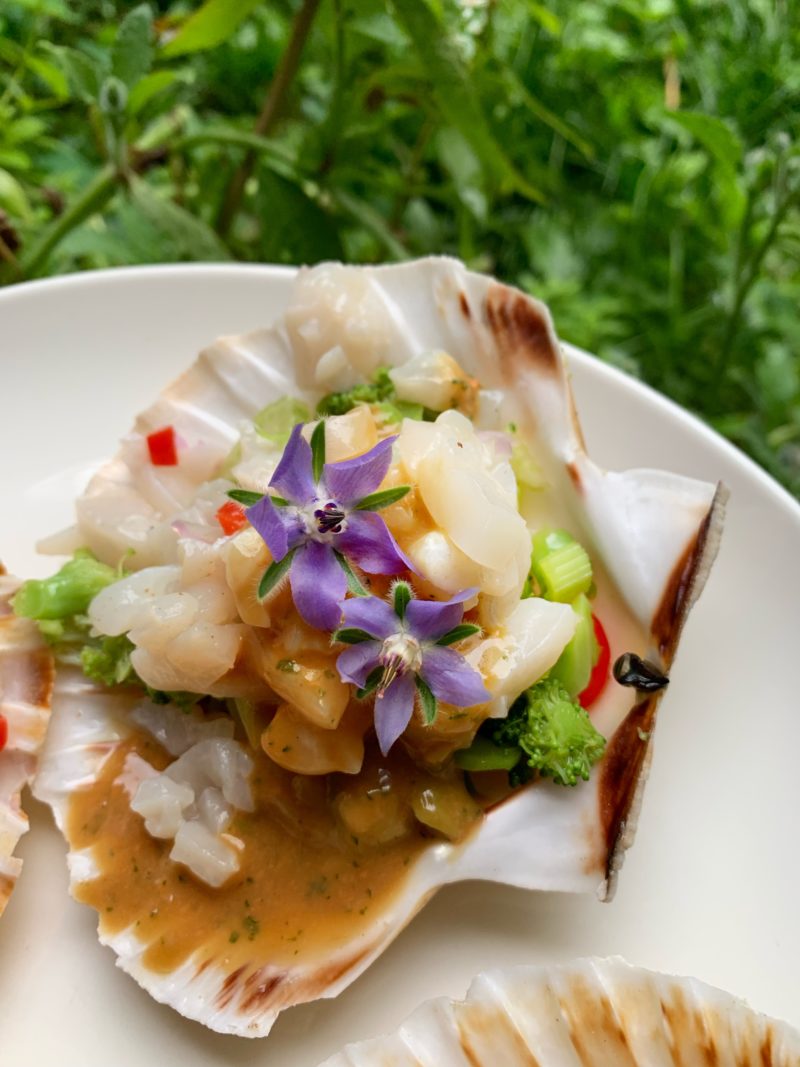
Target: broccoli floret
(107,660)
(380,392)
(374,392)
(66,593)
(553,731)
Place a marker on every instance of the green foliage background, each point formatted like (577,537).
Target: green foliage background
(632,162)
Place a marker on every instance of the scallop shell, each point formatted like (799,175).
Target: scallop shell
(26,680)
(656,534)
(592,1012)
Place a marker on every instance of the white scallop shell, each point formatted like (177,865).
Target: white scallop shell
(26,678)
(656,534)
(590,1013)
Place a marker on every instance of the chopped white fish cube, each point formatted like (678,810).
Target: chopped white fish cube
(177,731)
(214,810)
(125,603)
(206,854)
(216,762)
(161,802)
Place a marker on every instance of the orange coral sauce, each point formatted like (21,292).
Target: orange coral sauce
(305,885)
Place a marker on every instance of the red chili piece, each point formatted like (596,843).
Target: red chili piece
(599,675)
(162,447)
(231,517)
(3,732)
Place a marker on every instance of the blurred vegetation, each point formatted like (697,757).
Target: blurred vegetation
(633,162)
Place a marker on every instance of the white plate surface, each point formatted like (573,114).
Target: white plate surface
(711,886)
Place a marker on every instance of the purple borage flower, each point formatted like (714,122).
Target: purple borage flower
(323,522)
(400,649)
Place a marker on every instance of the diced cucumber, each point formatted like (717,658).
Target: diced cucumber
(574,666)
(277,420)
(484,755)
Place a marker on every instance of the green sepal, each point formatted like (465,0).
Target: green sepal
(274,573)
(402,598)
(372,683)
(351,635)
(353,582)
(318,450)
(245,496)
(427,699)
(383,498)
(459,633)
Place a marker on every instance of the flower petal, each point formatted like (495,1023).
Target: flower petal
(368,543)
(318,584)
(357,662)
(352,479)
(281,528)
(451,678)
(393,711)
(429,619)
(292,477)
(372,614)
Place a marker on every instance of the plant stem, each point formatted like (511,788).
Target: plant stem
(279,87)
(93,197)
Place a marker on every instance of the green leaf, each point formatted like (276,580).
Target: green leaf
(148,87)
(402,598)
(351,635)
(372,683)
(83,74)
(714,134)
(55,79)
(244,496)
(353,583)
(427,699)
(13,198)
(273,574)
(132,51)
(185,236)
(459,633)
(295,227)
(210,25)
(383,498)
(318,450)
(455,94)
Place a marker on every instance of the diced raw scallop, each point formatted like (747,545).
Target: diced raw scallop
(157,671)
(177,731)
(216,762)
(161,620)
(433,378)
(246,559)
(450,570)
(213,810)
(212,859)
(335,306)
(123,604)
(350,434)
(204,652)
(198,560)
(161,802)
(215,600)
(528,644)
(115,519)
(298,745)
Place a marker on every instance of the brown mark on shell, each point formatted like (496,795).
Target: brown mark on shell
(258,990)
(229,987)
(594,1028)
(488,1024)
(622,775)
(575,476)
(464,305)
(522,332)
(688,578)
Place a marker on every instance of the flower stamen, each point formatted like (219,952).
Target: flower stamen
(329,518)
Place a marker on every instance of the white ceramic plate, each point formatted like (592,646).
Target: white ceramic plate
(711,885)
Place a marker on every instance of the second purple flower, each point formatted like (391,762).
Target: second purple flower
(324,521)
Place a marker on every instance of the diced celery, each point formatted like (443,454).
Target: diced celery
(277,420)
(560,565)
(484,755)
(574,666)
(251,721)
(67,592)
(527,470)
